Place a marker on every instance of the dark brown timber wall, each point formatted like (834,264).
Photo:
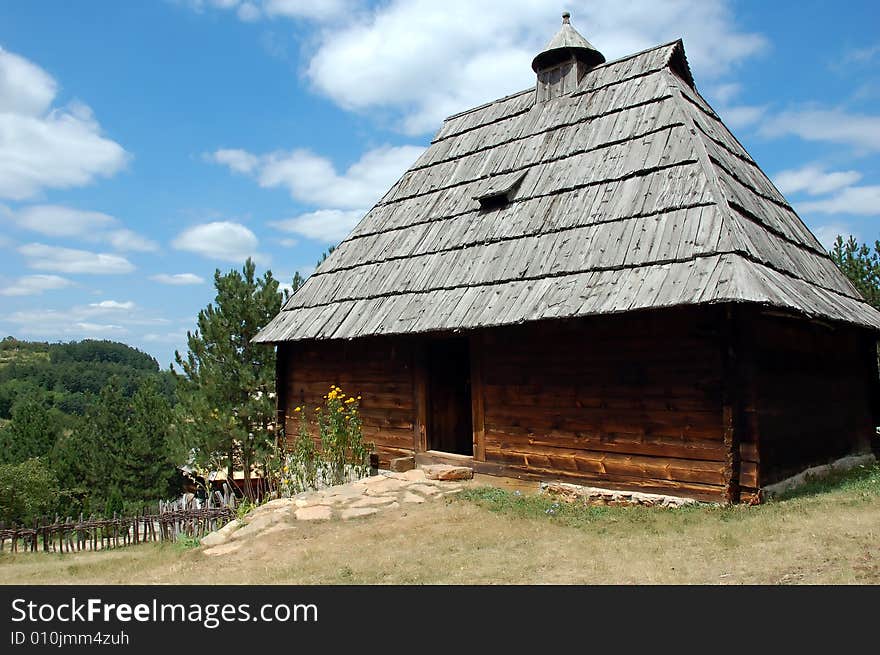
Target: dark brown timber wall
(630,401)
(379,370)
(816,391)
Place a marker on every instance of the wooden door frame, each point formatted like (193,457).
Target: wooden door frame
(420,397)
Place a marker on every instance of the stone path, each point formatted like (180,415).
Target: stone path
(354,500)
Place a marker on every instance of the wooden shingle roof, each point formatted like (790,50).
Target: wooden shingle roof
(627,194)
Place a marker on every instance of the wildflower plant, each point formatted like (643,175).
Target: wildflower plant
(343,455)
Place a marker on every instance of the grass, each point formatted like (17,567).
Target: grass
(825,532)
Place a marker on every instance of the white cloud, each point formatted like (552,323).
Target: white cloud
(814,180)
(61,221)
(44,147)
(69,260)
(33,285)
(219,240)
(328,225)
(724,93)
(855,200)
(309,9)
(25,88)
(113,305)
(314,180)
(861,131)
(126,240)
(288,243)
(248,12)
(58,221)
(424,60)
(739,116)
(239,161)
(827,234)
(178,279)
(428,59)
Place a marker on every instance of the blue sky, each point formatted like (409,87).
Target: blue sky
(145,144)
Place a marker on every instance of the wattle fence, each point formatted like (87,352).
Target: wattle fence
(186,517)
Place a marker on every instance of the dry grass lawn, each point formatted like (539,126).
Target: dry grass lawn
(828,533)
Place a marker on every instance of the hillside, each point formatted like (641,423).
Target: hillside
(68,375)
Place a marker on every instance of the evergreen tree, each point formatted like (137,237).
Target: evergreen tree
(861,265)
(226,390)
(32,431)
(147,472)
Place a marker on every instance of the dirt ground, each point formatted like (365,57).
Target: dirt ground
(494,536)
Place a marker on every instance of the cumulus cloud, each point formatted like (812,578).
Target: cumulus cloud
(429,60)
(328,225)
(854,200)
(33,285)
(58,221)
(814,180)
(236,159)
(314,180)
(178,279)
(860,131)
(219,240)
(61,221)
(82,321)
(69,260)
(45,147)
(423,60)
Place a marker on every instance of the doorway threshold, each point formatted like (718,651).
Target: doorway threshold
(438,457)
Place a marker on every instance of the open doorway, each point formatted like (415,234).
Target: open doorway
(449,426)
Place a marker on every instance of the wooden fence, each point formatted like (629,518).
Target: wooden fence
(185,517)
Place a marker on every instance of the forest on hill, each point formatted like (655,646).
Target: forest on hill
(83,428)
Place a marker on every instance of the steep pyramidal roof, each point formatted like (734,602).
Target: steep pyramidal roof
(627,194)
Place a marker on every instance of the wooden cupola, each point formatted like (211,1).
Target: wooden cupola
(564,62)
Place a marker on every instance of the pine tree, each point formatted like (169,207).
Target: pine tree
(861,265)
(148,471)
(32,431)
(226,390)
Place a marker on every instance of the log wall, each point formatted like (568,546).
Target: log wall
(379,370)
(632,401)
(815,387)
(710,403)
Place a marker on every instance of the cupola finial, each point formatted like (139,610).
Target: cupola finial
(566,18)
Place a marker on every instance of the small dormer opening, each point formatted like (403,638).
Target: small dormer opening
(500,191)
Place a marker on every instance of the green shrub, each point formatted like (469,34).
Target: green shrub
(28,491)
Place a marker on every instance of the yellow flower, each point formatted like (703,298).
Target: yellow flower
(298,409)
(359,397)
(350,400)
(285,469)
(317,409)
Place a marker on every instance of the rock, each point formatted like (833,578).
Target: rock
(415,475)
(448,472)
(401,464)
(301,502)
(222,549)
(257,524)
(222,535)
(372,501)
(314,513)
(356,512)
(275,504)
(394,505)
(409,497)
(424,489)
(384,486)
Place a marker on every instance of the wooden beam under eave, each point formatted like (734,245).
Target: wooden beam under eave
(420,399)
(731,401)
(281,385)
(477,401)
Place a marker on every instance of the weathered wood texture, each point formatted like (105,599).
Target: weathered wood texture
(815,393)
(379,370)
(630,193)
(630,401)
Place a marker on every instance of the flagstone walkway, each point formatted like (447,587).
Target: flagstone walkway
(344,502)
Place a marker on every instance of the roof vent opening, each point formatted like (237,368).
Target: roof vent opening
(564,62)
(500,191)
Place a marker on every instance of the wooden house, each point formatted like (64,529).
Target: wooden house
(590,281)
